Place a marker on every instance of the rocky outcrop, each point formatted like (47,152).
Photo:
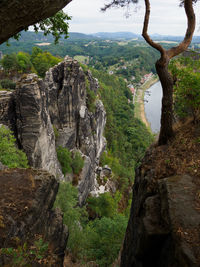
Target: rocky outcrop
(7,109)
(34,128)
(163,229)
(31,12)
(26,201)
(45,114)
(77,127)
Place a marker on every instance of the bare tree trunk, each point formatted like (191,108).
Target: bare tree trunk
(166,80)
(166,131)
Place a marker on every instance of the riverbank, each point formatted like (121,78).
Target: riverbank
(139,100)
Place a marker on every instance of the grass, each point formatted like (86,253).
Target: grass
(81,59)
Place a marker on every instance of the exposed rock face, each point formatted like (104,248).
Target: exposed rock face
(58,103)
(26,200)
(164,225)
(77,127)
(34,129)
(7,109)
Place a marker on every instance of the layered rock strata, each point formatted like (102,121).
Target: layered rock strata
(26,201)
(58,104)
(163,229)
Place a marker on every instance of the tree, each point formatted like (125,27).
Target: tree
(166,131)
(9,62)
(23,62)
(16,16)
(42,61)
(166,80)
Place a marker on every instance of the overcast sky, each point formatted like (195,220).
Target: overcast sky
(166,17)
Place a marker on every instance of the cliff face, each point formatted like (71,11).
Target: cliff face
(164,224)
(26,200)
(58,103)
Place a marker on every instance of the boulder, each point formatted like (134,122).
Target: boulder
(164,224)
(26,212)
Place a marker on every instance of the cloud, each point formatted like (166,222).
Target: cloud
(166,17)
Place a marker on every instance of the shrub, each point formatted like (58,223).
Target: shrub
(186,88)
(104,239)
(98,240)
(77,163)
(10,155)
(73,216)
(56,132)
(105,204)
(91,97)
(8,84)
(64,157)
(24,256)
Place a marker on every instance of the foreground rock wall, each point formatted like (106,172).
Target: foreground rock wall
(26,201)
(164,224)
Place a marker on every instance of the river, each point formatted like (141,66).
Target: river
(152,104)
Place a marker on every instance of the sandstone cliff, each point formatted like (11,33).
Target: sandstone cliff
(164,224)
(26,200)
(58,103)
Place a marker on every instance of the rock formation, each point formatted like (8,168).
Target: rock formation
(26,201)
(15,18)
(58,103)
(163,228)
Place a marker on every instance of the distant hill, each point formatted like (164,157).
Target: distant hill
(116,35)
(158,37)
(30,36)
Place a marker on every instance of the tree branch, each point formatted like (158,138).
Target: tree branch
(191,21)
(119,3)
(145,30)
(16,15)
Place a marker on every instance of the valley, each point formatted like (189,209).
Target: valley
(76,127)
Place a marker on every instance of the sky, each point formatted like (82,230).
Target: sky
(167,18)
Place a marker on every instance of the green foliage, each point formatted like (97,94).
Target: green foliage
(10,155)
(77,163)
(64,157)
(127,137)
(7,84)
(104,239)
(23,62)
(20,62)
(55,25)
(23,255)
(105,205)
(98,240)
(91,97)
(56,132)
(74,216)
(186,89)
(38,62)
(40,249)
(43,61)
(9,62)
(69,163)
(122,128)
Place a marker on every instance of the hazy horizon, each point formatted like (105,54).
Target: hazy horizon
(167,18)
